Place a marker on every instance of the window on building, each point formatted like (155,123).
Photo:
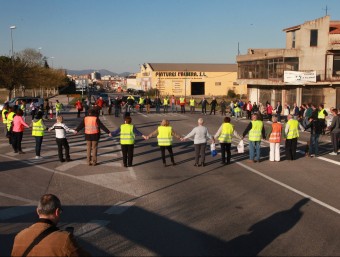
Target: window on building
(314,37)
(293,39)
(218,83)
(336,65)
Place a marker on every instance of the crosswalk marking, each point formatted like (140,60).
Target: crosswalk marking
(91,228)
(119,208)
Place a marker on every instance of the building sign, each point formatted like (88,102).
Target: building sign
(179,74)
(81,84)
(299,77)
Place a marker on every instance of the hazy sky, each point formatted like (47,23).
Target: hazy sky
(118,35)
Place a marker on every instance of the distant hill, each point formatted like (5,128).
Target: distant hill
(103,72)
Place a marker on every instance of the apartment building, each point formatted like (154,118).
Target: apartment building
(307,70)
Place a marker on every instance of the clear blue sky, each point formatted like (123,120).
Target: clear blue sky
(118,35)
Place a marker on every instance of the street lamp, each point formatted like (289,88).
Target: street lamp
(11,28)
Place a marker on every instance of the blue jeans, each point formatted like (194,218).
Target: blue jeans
(254,146)
(38,142)
(314,144)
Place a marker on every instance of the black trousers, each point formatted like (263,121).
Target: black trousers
(225,148)
(248,115)
(62,142)
(16,141)
(291,145)
(204,109)
(182,108)
(127,151)
(213,110)
(169,148)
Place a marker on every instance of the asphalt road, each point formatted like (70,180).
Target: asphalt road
(285,208)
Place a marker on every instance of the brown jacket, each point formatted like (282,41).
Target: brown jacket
(58,243)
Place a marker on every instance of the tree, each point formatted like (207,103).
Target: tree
(26,71)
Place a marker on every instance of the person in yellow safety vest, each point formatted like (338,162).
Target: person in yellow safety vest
(141,103)
(9,119)
(38,132)
(322,114)
(127,133)
(192,105)
(4,114)
(224,135)
(92,126)
(164,136)
(182,102)
(166,104)
(58,108)
(274,135)
(237,111)
(255,130)
(23,108)
(291,136)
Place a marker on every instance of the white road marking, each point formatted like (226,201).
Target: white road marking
(290,188)
(14,197)
(118,181)
(119,208)
(91,228)
(328,160)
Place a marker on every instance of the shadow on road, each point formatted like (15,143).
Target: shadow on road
(161,235)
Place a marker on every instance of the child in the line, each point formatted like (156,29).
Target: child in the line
(60,133)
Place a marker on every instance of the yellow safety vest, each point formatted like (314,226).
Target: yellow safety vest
(141,100)
(321,114)
(22,107)
(3,114)
(164,136)
(227,133)
(293,129)
(237,109)
(192,102)
(10,117)
(38,129)
(165,102)
(256,131)
(127,137)
(58,106)
(181,100)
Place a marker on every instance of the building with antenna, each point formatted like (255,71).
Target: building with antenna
(307,70)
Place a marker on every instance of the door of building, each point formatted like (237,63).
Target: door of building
(197,88)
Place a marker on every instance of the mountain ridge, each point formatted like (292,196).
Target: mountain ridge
(103,72)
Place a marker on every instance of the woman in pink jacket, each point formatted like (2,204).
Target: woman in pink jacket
(18,131)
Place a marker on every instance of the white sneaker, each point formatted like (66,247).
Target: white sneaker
(333,153)
(38,157)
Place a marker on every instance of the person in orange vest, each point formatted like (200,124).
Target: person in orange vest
(274,135)
(92,126)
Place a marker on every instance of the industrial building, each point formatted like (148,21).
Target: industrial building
(189,79)
(306,71)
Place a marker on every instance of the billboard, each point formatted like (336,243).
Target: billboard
(299,77)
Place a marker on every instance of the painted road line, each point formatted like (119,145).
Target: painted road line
(328,160)
(119,208)
(91,228)
(14,197)
(290,188)
(17,211)
(114,180)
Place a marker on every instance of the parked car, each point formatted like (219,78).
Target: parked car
(27,99)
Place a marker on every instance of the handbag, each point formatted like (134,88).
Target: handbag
(240,147)
(213,150)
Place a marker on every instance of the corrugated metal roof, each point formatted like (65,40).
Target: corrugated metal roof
(207,67)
